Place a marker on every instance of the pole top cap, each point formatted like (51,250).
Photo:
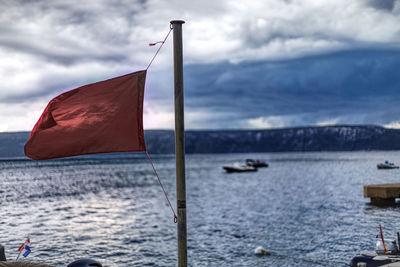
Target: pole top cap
(177,21)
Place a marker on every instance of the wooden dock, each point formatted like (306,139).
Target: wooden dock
(382,194)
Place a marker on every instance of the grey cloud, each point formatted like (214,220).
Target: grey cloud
(66,59)
(387,5)
(68,34)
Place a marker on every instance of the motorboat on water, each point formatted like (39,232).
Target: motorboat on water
(387,255)
(366,260)
(387,165)
(251,165)
(391,259)
(237,167)
(256,163)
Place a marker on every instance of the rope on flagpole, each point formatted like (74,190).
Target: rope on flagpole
(165,193)
(158,50)
(147,154)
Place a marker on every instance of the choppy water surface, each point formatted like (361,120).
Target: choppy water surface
(306,208)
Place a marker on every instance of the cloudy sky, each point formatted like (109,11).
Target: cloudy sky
(247,64)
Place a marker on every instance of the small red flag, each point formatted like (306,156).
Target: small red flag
(100,117)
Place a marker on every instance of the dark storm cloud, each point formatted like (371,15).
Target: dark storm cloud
(351,87)
(383,4)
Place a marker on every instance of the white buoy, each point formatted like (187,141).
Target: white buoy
(261,251)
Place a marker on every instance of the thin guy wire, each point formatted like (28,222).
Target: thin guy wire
(159,180)
(158,50)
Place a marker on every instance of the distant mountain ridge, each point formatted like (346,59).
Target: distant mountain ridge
(300,139)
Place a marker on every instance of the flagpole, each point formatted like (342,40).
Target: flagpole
(180,143)
(19,254)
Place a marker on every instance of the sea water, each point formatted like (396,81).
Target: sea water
(307,209)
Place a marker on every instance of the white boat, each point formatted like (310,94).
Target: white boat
(237,167)
(387,165)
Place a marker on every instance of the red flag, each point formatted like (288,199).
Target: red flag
(96,118)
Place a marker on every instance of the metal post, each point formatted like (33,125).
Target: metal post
(180,143)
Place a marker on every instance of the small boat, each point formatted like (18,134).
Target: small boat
(256,163)
(239,168)
(367,260)
(387,255)
(381,258)
(387,165)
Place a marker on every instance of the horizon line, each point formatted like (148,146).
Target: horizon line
(254,129)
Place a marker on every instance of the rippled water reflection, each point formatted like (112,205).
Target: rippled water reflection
(307,208)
